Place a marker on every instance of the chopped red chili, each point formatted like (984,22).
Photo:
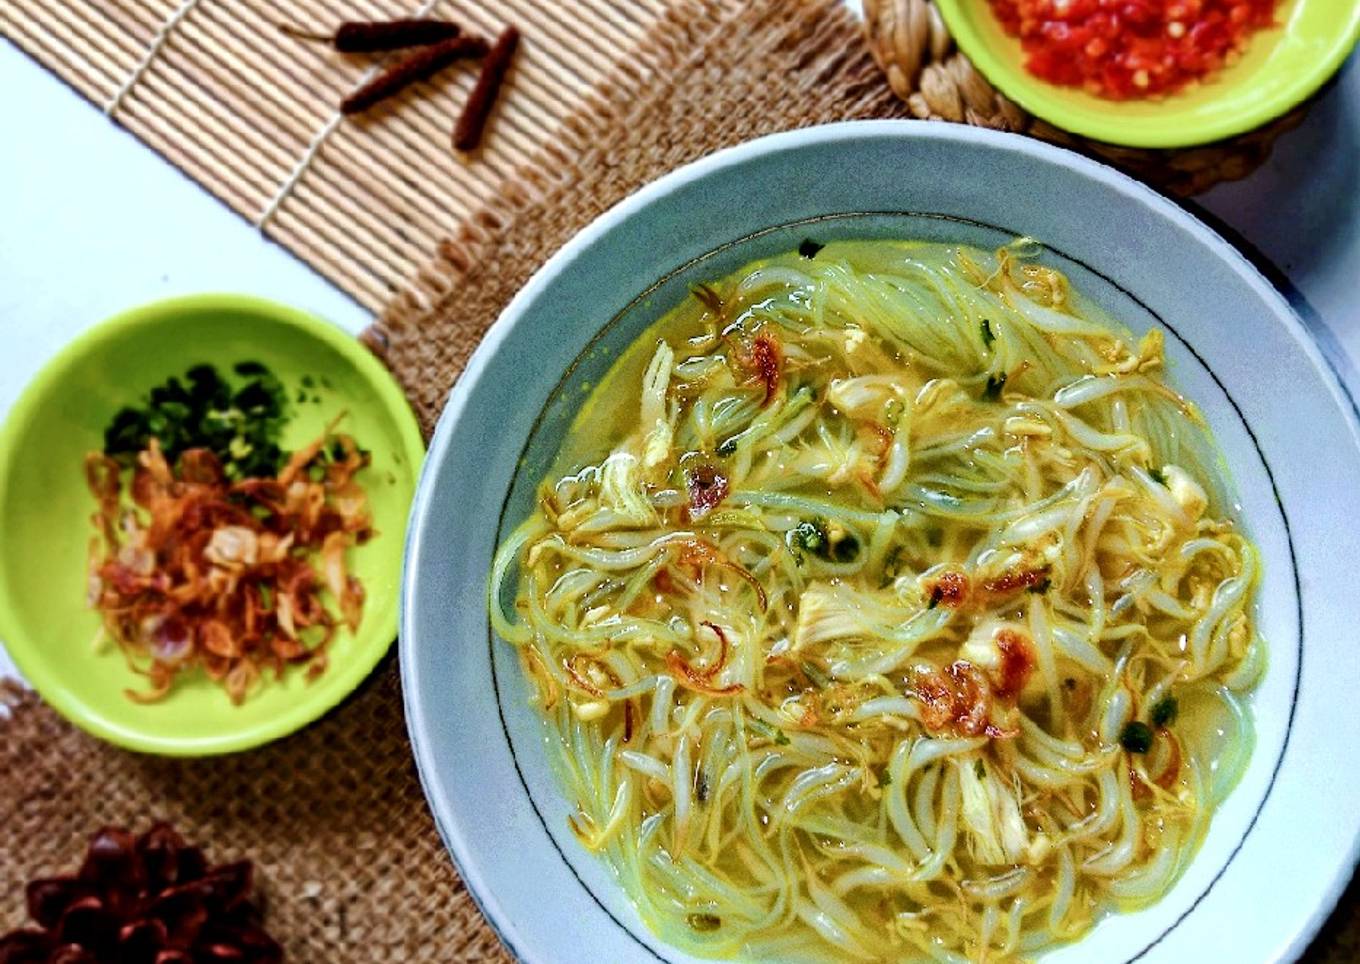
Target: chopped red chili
(1125,49)
(1017,662)
(1014,580)
(707,487)
(768,362)
(948,589)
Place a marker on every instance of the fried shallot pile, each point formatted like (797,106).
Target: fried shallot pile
(202,571)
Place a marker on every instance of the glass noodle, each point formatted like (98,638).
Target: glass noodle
(886,607)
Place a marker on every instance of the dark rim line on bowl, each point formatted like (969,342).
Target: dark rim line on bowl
(557,389)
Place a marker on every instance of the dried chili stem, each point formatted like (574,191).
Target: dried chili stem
(374,36)
(421,65)
(468,132)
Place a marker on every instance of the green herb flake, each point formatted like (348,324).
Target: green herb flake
(885,779)
(1158,476)
(1165,711)
(809,537)
(1041,587)
(809,248)
(266,597)
(988,336)
(980,769)
(992,391)
(1136,737)
(762,729)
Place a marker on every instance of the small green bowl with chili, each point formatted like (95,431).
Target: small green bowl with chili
(46,510)
(1280,67)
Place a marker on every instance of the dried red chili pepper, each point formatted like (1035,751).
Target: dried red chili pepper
(374,36)
(421,65)
(468,132)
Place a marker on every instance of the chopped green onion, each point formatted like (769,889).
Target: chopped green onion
(809,537)
(761,728)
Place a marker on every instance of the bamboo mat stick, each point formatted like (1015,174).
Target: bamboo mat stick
(215,87)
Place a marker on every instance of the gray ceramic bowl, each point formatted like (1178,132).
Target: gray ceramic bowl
(1281,847)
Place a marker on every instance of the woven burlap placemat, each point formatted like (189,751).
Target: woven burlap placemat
(352,866)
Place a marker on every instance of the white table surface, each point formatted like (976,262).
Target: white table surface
(92,221)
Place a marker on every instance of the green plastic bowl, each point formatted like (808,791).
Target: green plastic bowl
(1280,69)
(45,512)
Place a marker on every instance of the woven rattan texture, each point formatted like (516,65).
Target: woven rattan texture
(251,114)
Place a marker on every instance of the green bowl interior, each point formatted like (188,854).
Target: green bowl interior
(1280,68)
(45,512)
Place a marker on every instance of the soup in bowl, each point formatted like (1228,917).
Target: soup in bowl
(873,583)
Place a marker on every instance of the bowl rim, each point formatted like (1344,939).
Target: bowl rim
(22,648)
(1022,87)
(460,848)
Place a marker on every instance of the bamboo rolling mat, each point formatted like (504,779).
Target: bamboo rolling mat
(251,114)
